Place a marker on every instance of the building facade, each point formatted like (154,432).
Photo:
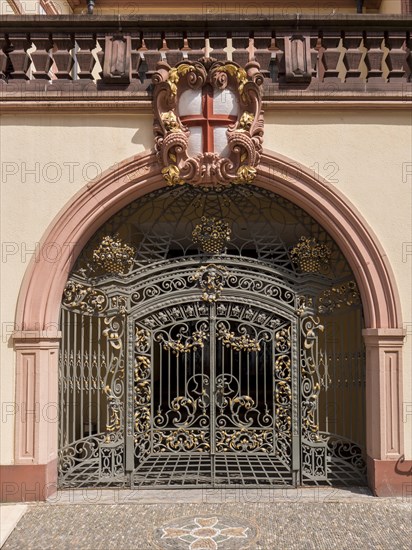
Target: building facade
(206,246)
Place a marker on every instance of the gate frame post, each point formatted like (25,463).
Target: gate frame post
(34,473)
(384,415)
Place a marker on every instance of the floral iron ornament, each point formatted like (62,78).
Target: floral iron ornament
(203,97)
(311,256)
(211,235)
(113,256)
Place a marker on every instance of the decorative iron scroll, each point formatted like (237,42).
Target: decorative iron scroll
(211,279)
(142,404)
(196,340)
(340,296)
(244,342)
(244,135)
(81,297)
(283,392)
(181,440)
(310,377)
(244,440)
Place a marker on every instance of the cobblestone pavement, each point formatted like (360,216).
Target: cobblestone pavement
(232,524)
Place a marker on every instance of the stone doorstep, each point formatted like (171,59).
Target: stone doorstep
(10,515)
(253,495)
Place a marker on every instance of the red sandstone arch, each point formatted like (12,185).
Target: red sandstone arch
(38,308)
(37,316)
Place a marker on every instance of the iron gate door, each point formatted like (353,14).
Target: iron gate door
(213,384)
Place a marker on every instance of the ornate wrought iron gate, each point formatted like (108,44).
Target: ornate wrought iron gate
(209,369)
(213,388)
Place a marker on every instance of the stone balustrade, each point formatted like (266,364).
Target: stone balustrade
(68,57)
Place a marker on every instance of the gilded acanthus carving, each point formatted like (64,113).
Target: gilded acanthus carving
(244,125)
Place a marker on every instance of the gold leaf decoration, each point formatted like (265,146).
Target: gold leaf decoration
(171,175)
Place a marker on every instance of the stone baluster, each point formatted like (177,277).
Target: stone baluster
(396,59)
(374,57)
(240,44)
(330,57)
(101,43)
(84,55)
(152,44)
(4,46)
(195,45)
(315,46)
(135,57)
(279,45)
(63,59)
(218,43)
(19,58)
(408,46)
(352,57)
(41,58)
(172,48)
(261,49)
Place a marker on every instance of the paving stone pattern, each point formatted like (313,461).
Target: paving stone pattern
(375,524)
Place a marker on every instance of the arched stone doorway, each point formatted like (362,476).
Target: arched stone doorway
(211,337)
(37,343)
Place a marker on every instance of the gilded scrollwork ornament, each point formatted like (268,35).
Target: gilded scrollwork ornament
(244,440)
(114,330)
(311,359)
(243,342)
(339,297)
(244,130)
(184,344)
(114,423)
(211,279)
(84,298)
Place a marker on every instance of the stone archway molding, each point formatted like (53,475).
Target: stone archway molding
(37,316)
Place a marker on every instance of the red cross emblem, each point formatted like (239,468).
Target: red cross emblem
(208,120)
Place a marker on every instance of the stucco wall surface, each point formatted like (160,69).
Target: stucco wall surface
(47,158)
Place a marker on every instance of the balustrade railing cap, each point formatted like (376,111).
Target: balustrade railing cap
(129,23)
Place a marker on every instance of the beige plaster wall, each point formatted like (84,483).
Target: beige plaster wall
(368,156)
(390,6)
(45,159)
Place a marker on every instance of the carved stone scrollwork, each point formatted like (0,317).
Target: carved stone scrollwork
(244,129)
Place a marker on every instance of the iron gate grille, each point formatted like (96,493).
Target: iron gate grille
(215,381)
(181,368)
